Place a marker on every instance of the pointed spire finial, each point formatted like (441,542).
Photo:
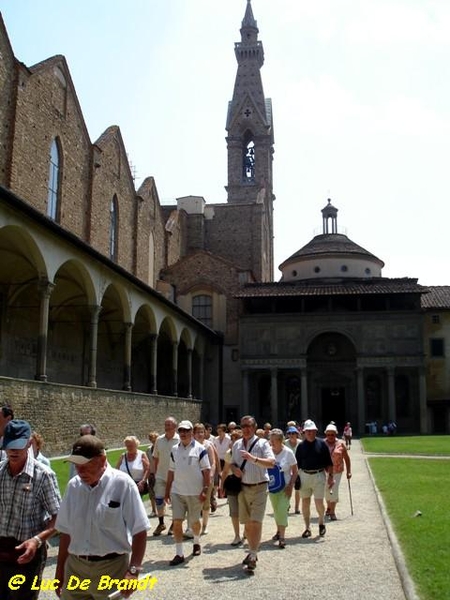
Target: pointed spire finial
(249,20)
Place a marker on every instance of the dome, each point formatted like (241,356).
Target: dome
(331,255)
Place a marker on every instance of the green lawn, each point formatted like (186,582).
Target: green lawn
(432,445)
(61,468)
(411,485)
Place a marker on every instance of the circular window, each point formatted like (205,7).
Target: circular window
(367,271)
(344,268)
(294,273)
(316,269)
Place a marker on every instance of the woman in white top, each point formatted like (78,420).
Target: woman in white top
(135,463)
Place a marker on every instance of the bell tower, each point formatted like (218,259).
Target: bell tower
(250,142)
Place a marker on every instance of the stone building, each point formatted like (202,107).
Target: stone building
(123,310)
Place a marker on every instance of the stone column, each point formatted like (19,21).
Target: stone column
(304,394)
(174,368)
(128,331)
(361,402)
(93,337)
(153,366)
(189,371)
(45,289)
(423,401)
(201,374)
(391,394)
(274,395)
(245,404)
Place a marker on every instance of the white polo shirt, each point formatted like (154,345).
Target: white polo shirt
(161,451)
(187,463)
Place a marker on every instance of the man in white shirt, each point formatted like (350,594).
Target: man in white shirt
(187,486)
(102,521)
(161,454)
(258,457)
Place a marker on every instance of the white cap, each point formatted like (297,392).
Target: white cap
(185,425)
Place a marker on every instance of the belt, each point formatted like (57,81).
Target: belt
(94,558)
(312,472)
(253,484)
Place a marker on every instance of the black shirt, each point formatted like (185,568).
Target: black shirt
(312,456)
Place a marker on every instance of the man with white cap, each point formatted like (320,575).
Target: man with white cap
(314,463)
(187,485)
(102,523)
(30,501)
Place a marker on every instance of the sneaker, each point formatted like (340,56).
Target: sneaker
(176,560)
(152,515)
(196,550)
(160,528)
(322,530)
(306,533)
(188,534)
(170,532)
(251,563)
(333,517)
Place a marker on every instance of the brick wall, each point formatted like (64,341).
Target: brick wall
(7,101)
(57,411)
(47,108)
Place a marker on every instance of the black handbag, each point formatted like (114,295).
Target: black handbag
(233,484)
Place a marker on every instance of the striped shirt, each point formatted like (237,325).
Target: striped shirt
(253,473)
(27,500)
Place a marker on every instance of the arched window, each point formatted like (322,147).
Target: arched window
(248,166)
(54,182)
(113,228)
(202,309)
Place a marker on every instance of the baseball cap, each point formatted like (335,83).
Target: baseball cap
(309,425)
(16,435)
(185,425)
(331,427)
(292,430)
(85,449)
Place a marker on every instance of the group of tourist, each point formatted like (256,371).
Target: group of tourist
(102,521)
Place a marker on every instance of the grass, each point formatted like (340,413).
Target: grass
(428,445)
(410,485)
(61,468)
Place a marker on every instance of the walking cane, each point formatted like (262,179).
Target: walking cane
(350,495)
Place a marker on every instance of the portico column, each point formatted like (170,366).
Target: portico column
(391,393)
(274,395)
(127,357)
(361,403)
(245,393)
(201,374)
(174,368)
(45,289)
(304,395)
(93,337)
(189,372)
(423,401)
(153,367)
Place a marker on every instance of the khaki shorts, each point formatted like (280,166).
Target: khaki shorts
(252,503)
(313,484)
(182,505)
(334,497)
(160,488)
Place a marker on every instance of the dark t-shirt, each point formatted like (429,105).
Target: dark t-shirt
(312,456)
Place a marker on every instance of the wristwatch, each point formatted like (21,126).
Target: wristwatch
(134,570)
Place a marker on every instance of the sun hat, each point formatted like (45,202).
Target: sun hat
(309,425)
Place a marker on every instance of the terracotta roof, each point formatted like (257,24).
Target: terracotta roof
(328,244)
(438,297)
(333,287)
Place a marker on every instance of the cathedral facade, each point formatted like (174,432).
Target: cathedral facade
(175,307)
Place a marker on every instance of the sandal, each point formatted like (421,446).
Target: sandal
(306,533)
(282,543)
(276,537)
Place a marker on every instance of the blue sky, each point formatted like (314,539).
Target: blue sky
(360,92)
